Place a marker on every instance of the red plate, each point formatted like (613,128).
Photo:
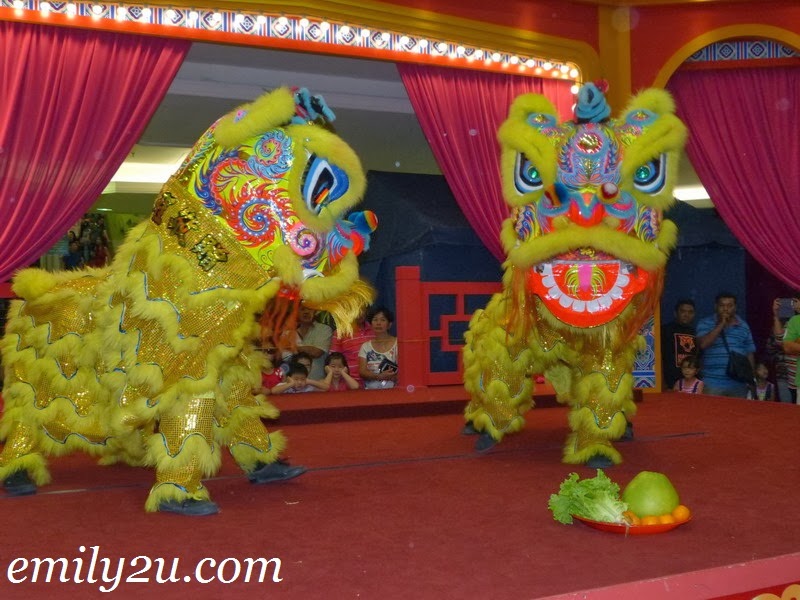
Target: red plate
(631,529)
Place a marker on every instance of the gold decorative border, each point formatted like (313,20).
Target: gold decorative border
(365,29)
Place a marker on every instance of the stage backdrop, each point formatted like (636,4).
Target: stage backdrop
(420,224)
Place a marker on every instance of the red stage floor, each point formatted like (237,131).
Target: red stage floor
(402,508)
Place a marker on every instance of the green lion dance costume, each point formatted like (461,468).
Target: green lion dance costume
(586,248)
(150,361)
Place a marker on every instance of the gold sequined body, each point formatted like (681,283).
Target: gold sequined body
(150,361)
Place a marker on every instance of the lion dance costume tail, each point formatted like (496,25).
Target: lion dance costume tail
(586,247)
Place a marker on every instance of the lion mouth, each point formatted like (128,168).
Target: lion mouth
(587,292)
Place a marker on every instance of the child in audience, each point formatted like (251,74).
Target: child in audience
(762,389)
(689,383)
(337,374)
(272,374)
(297,382)
(349,346)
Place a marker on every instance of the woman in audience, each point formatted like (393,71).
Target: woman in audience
(377,359)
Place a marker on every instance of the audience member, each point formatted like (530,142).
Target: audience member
(73,259)
(337,375)
(762,388)
(689,383)
(272,374)
(791,344)
(377,358)
(717,336)
(349,346)
(314,339)
(304,358)
(785,364)
(677,342)
(100,255)
(297,381)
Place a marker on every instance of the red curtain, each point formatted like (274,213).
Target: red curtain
(745,147)
(459,112)
(74,104)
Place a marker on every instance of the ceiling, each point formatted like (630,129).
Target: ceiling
(374,114)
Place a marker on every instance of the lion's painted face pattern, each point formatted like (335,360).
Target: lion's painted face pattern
(249,189)
(585,286)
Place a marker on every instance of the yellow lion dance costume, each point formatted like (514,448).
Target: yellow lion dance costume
(150,360)
(586,247)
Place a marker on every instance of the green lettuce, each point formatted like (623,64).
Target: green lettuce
(596,499)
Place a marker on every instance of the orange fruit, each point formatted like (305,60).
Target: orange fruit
(631,518)
(650,520)
(666,519)
(681,513)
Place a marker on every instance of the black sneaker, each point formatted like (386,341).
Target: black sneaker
(189,507)
(485,442)
(277,471)
(19,484)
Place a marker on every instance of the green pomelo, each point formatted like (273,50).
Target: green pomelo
(650,493)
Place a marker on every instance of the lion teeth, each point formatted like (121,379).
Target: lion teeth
(602,303)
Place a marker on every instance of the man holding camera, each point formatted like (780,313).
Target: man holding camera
(718,336)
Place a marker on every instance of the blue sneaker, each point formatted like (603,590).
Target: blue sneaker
(19,484)
(485,442)
(277,471)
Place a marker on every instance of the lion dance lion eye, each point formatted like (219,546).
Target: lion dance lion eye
(323,183)
(651,177)
(527,178)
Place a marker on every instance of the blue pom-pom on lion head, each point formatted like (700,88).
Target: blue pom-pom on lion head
(592,106)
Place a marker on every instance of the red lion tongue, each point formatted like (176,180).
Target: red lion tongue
(584,276)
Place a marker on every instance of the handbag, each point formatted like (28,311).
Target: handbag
(739,367)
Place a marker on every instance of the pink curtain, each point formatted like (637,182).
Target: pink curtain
(74,104)
(745,147)
(459,112)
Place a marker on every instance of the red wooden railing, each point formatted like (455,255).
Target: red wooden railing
(420,327)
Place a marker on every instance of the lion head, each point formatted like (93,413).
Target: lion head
(279,184)
(586,235)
